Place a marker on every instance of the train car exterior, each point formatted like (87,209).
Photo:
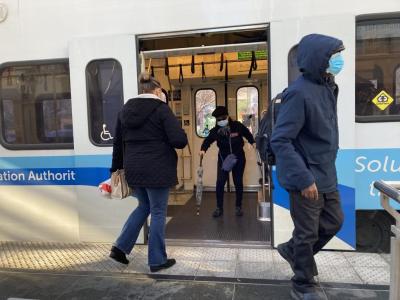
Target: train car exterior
(67,67)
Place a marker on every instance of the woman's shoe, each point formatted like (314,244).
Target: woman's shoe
(118,255)
(239,211)
(170,262)
(217,213)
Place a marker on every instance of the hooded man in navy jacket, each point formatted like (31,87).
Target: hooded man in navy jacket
(305,142)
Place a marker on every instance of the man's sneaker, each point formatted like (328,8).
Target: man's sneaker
(170,262)
(217,213)
(296,295)
(118,255)
(239,211)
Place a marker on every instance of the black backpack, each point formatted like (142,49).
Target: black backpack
(265,128)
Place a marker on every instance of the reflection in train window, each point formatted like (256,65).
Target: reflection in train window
(9,132)
(205,104)
(377,56)
(36,105)
(397,84)
(57,121)
(247,107)
(105,99)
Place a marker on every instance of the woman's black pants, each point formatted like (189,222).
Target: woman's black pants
(237,174)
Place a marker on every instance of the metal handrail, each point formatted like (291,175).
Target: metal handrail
(390,190)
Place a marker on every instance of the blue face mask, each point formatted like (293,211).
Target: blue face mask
(336,63)
(222,123)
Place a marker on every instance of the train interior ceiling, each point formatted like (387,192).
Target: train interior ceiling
(200,71)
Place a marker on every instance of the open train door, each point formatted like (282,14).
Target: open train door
(103,76)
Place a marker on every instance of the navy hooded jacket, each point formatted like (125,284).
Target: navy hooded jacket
(305,138)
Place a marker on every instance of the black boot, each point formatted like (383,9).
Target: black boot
(239,211)
(170,262)
(218,212)
(118,255)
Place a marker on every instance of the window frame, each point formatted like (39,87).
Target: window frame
(87,99)
(380,18)
(41,146)
(195,108)
(258,100)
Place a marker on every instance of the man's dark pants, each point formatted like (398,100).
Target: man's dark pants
(315,223)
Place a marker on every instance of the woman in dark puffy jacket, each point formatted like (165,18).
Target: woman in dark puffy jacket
(147,134)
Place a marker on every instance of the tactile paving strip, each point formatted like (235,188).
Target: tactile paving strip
(192,261)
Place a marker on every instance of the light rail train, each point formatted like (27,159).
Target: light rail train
(67,67)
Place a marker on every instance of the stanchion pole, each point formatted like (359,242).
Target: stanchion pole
(390,190)
(395,263)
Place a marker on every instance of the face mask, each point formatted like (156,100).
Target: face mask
(222,123)
(336,63)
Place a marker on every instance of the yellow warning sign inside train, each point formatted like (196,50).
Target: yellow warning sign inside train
(382,100)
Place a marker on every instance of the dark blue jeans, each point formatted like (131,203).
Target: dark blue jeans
(237,174)
(152,201)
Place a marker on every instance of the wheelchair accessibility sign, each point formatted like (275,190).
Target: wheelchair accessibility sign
(382,100)
(105,135)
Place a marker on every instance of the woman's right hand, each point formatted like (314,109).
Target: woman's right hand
(201,153)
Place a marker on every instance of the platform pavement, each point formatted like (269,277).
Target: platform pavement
(39,270)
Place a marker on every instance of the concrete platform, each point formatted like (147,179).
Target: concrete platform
(28,285)
(29,268)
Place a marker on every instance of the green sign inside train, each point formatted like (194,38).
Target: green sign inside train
(246,55)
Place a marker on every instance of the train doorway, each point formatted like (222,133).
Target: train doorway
(199,71)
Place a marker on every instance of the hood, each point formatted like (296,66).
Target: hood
(314,52)
(137,110)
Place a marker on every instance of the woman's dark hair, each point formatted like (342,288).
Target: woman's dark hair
(147,83)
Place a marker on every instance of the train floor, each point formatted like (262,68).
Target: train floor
(184,224)
(45,270)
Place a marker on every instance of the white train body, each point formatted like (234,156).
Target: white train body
(51,193)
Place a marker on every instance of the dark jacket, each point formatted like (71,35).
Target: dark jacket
(305,138)
(236,130)
(150,132)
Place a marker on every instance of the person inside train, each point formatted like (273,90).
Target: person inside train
(229,137)
(147,134)
(305,144)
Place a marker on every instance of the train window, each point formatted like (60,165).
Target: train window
(35,100)
(105,99)
(377,77)
(293,69)
(397,84)
(247,107)
(206,101)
